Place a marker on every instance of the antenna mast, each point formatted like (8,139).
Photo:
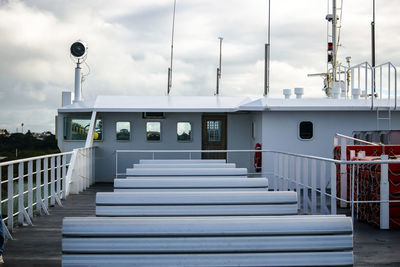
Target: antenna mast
(219,68)
(373,40)
(267,52)
(172,51)
(334,52)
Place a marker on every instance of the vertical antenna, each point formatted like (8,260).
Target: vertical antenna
(334,21)
(219,69)
(373,39)
(267,52)
(172,51)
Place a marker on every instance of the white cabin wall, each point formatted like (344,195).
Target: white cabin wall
(257,121)
(281,130)
(239,138)
(105,165)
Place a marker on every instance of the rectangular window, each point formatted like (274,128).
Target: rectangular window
(184,131)
(214,131)
(153,131)
(78,128)
(306,130)
(123,129)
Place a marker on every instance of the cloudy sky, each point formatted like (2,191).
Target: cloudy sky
(129,46)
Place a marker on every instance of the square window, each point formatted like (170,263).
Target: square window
(153,131)
(184,131)
(78,128)
(214,131)
(306,130)
(123,130)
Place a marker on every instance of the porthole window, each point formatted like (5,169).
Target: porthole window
(184,131)
(153,131)
(123,130)
(306,130)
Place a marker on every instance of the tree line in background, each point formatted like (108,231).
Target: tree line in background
(19,145)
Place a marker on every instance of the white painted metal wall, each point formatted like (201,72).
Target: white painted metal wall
(238,137)
(281,130)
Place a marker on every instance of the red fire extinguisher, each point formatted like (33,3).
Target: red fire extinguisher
(258,158)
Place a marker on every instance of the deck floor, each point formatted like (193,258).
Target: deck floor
(40,245)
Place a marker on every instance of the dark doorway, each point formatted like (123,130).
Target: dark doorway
(214,136)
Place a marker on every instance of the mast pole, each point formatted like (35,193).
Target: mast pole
(219,69)
(172,51)
(267,52)
(334,26)
(373,40)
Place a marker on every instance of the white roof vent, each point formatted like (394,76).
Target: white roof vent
(335,92)
(287,93)
(355,92)
(299,92)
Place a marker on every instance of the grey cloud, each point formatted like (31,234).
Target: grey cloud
(129,46)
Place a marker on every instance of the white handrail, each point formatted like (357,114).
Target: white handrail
(308,176)
(6,163)
(42,176)
(356,139)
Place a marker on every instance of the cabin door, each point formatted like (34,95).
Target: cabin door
(214,136)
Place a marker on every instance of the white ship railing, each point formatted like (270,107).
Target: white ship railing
(379,82)
(313,178)
(32,184)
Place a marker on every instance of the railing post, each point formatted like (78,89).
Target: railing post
(352,79)
(87,168)
(93,161)
(305,184)
(366,79)
(333,188)
(285,180)
(291,174)
(58,183)
(280,173)
(46,182)
(274,184)
(314,186)
(52,182)
(10,195)
(343,172)
(30,189)
(324,209)
(380,81)
(64,176)
(80,171)
(116,164)
(21,207)
(38,186)
(389,69)
(298,175)
(90,156)
(395,88)
(384,205)
(352,191)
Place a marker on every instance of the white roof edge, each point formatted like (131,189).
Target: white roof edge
(216,104)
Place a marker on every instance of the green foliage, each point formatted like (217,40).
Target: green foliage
(27,145)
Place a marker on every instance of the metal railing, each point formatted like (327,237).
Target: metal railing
(32,184)
(81,173)
(185,154)
(373,81)
(391,74)
(313,178)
